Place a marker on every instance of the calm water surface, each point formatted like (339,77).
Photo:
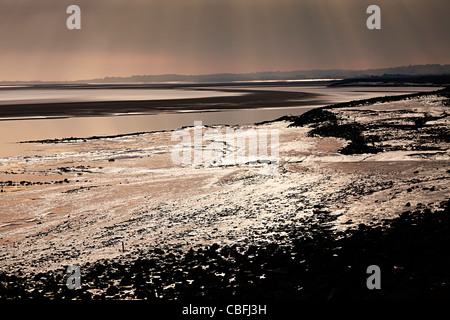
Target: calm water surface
(13,131)
(79,95)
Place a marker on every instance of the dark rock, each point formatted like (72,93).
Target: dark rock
(112,290)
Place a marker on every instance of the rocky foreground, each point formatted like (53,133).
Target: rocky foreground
(363,183)
(413,252)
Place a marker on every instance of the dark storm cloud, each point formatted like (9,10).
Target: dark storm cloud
(123,37)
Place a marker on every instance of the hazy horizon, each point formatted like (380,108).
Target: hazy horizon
(199,37)
(314,75)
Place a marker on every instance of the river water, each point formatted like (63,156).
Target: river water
(14,131)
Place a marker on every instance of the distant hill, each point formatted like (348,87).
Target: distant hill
(415,70)
(395,80)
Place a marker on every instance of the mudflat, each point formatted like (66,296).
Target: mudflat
(151,229)
(241,98)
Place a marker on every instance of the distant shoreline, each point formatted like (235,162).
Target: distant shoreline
(405,71)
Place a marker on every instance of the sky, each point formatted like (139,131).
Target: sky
(148,37)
